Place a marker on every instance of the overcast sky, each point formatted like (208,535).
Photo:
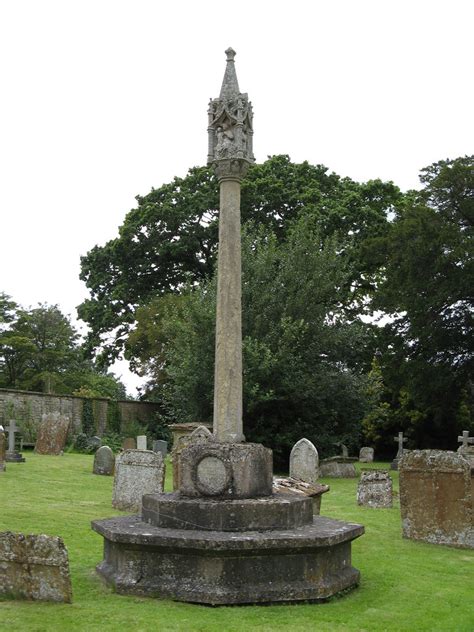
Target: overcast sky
(102,100)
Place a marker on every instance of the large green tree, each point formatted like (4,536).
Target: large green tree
(304,358)
(427,258)
(170,239)
(40,350)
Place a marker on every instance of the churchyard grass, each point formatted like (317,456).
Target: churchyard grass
(405,585)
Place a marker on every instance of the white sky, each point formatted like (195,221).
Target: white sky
(103,99)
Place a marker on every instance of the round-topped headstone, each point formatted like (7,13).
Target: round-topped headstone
(104,461)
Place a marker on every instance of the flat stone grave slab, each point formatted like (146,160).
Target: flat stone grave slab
(338,467)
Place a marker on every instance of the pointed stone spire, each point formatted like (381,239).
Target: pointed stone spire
(230,85)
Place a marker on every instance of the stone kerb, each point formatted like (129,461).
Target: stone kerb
(436,497)
(34,567)
(137,472)
(304,461)
(375,489)
(104,461)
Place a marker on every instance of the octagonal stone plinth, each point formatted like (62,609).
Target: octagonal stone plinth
(279,511)
(216,568)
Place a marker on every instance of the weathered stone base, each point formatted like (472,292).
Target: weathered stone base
(217,568)
(14,457)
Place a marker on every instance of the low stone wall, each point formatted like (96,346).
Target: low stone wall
(27,408)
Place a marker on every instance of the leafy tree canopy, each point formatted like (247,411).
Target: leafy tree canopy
(170,239)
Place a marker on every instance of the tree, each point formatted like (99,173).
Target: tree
(170,239)
(40,350)
(427,255)
(303,358)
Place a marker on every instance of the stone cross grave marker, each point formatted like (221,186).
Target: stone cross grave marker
(466,449)
(400,440)
(12,455)
(304,461)
(465,439)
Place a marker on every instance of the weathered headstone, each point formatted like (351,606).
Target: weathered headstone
(312,490)
(104,461)
(160,446)
(366,455)
(304,461)
(467,446)
(34,567)
(338,467)
(375,489)
(141,442)
(94,442)
(2,450)
(344,450)
(400,440)
(129,444)
(436,502)
(52,434)
(12,455)
(200,435)
(137,472)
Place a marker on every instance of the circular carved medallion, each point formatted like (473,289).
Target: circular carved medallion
(212,476)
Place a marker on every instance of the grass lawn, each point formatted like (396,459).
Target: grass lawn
(405,585)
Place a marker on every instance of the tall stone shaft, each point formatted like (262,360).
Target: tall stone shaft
(230,152)
(228,358)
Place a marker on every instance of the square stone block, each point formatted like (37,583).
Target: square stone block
(226,470)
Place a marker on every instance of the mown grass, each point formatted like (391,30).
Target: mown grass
(405,585)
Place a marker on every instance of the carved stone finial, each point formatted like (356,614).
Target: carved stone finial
(230,52)
(230,129)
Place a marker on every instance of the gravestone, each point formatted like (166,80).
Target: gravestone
(304,461)
(2,450)
(104,461)
(52,434)
(338,467)
(436,497)
(201,434)
(94,442)
(375,489)
(160,446)
(344,450)
(366,455)
(34,567)
(141,442)
(400,440)
(129,444)
(137,472)
(314,491)
(12,455)
(466,448)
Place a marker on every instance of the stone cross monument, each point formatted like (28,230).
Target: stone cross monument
(12,455)
(230,152)
(400,440)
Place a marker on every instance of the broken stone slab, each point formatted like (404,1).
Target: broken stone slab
(436,497)
(137,472)
(314,491)
(375,489)
(34,567)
